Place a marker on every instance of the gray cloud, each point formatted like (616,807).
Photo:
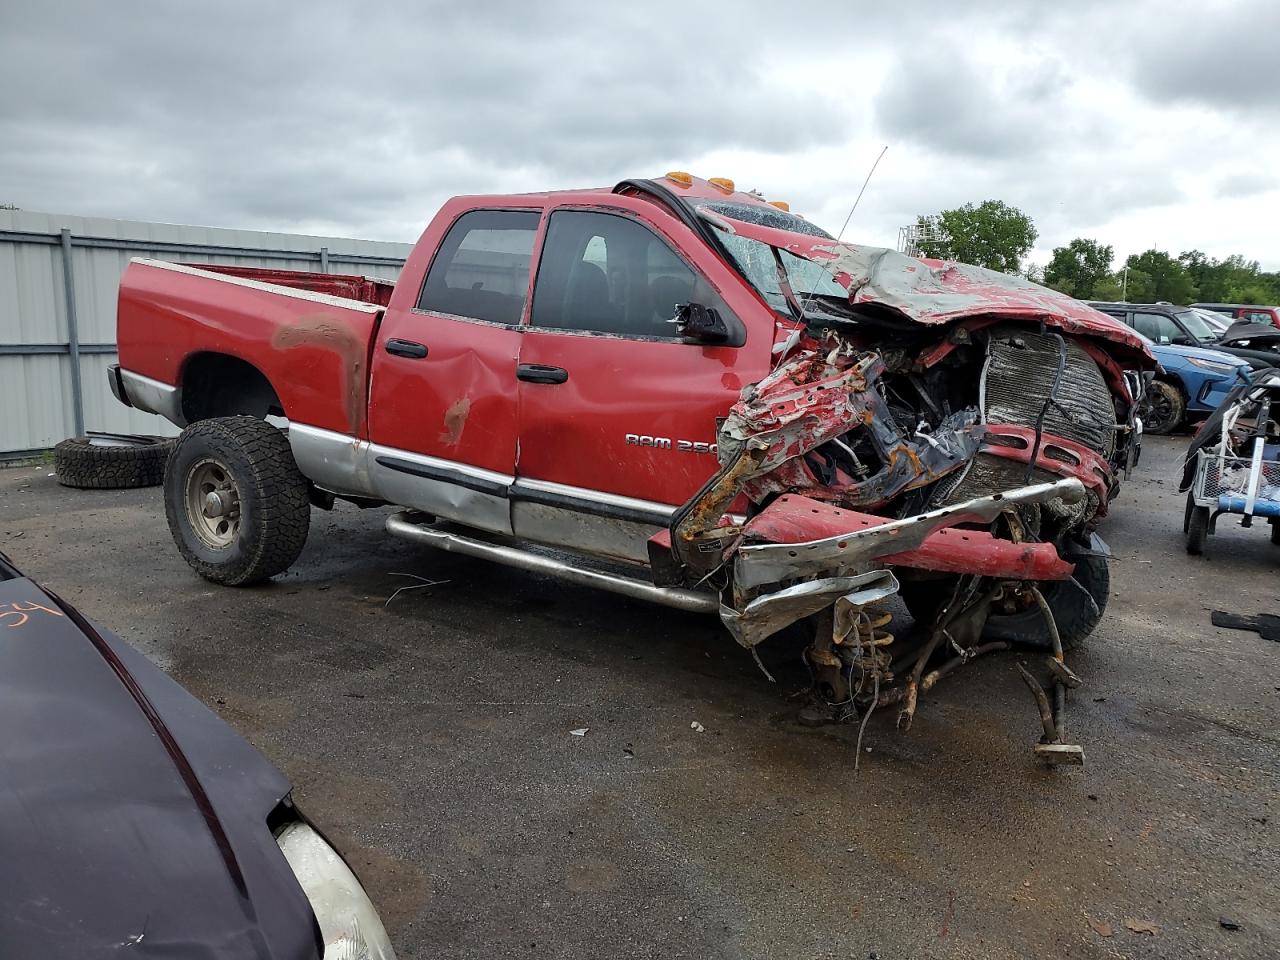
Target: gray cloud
(332,118)
(943,100)
(1247,184)
(1222,56)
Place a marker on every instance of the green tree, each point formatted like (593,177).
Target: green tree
(991,234)
(1135,285)
(1220,281)
(1078,268)
(1109,288)
(1163,278)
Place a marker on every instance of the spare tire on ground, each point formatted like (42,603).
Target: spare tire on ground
(111,461)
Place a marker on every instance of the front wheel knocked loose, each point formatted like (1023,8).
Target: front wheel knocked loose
(237,505)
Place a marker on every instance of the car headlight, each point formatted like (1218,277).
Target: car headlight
(348,922)
(1213,365)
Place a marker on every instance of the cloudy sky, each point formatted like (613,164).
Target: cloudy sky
(1139,124)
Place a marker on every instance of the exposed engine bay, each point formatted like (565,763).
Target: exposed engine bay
(965,471)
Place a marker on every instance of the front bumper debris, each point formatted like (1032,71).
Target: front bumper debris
(868,539)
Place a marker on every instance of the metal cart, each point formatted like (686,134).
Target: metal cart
(1244,481)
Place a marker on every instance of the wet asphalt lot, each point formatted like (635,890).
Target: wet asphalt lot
(431,738)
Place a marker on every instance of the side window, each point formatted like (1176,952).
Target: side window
(1158,327)
(1257,316)
(481,270)
(607,274)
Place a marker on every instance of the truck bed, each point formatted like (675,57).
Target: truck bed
(346,286)
(309,334)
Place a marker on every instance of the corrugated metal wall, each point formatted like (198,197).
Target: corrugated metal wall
(40,338)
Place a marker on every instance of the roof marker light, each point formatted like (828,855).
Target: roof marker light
(781,205)
(680,177)
(724,183)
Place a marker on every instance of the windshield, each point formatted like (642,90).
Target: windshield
(1215,321)
(1197,326)
(756,260)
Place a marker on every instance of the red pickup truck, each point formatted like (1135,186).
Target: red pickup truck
(671,389)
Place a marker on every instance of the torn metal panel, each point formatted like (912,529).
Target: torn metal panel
(797,519)
(1056,455)
(758,564)
(822,395)
(766,615)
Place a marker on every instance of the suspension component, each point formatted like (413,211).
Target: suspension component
(1053,748)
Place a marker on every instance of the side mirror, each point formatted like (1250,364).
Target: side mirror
(700,323)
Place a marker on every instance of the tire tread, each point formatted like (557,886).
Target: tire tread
(279,490)
(80,464)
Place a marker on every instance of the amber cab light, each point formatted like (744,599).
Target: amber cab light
(680,177)
(724,183)
(781,205)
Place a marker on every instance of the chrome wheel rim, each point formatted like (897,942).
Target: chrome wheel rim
(213,504)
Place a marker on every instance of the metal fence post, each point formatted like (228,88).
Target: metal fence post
(73,334)
(324,259)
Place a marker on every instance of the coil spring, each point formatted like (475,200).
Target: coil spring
(860,630)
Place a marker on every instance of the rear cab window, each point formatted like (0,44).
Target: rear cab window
(481,271)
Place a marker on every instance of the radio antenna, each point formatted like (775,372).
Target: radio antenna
(856,200)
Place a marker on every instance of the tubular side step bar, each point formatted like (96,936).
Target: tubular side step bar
(694,601)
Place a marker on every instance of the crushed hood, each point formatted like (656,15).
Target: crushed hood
(939,292)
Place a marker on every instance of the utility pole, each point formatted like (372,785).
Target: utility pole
(1124,285)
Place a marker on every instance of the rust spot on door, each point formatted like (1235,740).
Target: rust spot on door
(455,421)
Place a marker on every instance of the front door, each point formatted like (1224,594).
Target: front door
(617,413)
(442,416)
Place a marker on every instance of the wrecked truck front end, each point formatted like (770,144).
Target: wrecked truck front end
(936,431)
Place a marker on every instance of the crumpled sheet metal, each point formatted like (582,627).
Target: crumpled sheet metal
(1056,455)
(757,565)
(819,395)
(937,292)
(796,519)
(766,615)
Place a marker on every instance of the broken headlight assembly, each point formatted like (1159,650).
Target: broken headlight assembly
(349,924)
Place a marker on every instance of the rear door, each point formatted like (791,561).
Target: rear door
(1161,328)
(617,413)
(442,417)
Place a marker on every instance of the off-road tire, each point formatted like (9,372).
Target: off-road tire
(111,461)
(274,507)
(1173,407)
(1074,616)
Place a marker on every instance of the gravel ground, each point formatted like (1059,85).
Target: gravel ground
(430,736)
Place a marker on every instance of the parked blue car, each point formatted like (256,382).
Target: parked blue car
(1190,385)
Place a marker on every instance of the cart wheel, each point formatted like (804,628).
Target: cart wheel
(1186,516)
(1198,531)
(1275,533)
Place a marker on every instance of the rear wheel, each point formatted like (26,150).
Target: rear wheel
(237,505)
(1163,408)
